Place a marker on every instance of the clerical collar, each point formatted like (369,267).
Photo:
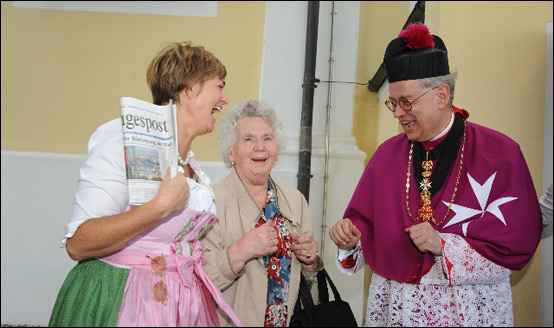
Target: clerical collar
(445,131)
(437,140)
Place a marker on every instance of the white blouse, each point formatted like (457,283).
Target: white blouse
(102,186)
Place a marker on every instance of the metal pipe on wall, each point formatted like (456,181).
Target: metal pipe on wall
(328,132)
(308,85)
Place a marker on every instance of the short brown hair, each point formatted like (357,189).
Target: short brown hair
(179,66)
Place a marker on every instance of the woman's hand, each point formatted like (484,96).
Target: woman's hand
(305,249)
(104,235)
(259,241)
(173,194)
(345,234)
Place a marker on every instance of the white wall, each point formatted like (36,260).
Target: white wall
(37,193)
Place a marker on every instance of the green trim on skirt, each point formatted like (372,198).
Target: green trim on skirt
(90,295)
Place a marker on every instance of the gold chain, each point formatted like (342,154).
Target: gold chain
(455,187)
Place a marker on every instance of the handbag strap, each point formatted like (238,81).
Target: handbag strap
(322,279)
(322,287)
(306,296)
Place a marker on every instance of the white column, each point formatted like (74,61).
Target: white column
(281,87)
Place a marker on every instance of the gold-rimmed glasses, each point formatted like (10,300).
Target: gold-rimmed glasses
(405,104)
(158,266)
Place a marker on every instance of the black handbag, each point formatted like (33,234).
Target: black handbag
(336,313)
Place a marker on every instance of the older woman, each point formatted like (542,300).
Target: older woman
(142,265)
(263,239)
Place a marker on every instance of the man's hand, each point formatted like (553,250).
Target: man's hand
(425,238)
(345,234)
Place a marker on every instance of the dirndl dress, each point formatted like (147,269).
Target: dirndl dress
(119,289)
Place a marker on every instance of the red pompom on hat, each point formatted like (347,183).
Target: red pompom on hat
(417,36)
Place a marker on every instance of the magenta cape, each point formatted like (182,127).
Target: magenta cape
(496,208)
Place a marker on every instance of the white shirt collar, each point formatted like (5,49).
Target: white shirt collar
(445,131)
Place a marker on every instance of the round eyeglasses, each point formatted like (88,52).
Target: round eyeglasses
(405,104)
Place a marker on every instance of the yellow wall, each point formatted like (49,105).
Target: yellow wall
(499,51)
(380,22)
(63,72)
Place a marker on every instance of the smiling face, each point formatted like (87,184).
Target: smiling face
(206,100)
(426,119)
(255,150)
(197,106)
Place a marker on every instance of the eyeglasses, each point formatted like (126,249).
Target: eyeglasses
(405,104)
(159,291)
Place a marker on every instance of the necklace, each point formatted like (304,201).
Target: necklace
(426,212)
(186,161)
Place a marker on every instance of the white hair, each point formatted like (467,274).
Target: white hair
(249,108)
(449,80)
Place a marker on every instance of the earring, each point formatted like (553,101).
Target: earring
(232,163)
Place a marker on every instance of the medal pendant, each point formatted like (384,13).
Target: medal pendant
(426,213)
(427,165)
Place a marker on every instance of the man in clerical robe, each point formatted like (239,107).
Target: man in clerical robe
(443,212)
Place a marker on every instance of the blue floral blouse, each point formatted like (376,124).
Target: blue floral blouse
(278,264)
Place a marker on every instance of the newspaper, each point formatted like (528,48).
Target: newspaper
(150,144)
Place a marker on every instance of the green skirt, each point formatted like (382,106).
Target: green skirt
(90,296)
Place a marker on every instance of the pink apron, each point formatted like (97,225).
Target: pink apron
(189,290)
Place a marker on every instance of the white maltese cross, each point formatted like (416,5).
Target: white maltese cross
(482,194)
